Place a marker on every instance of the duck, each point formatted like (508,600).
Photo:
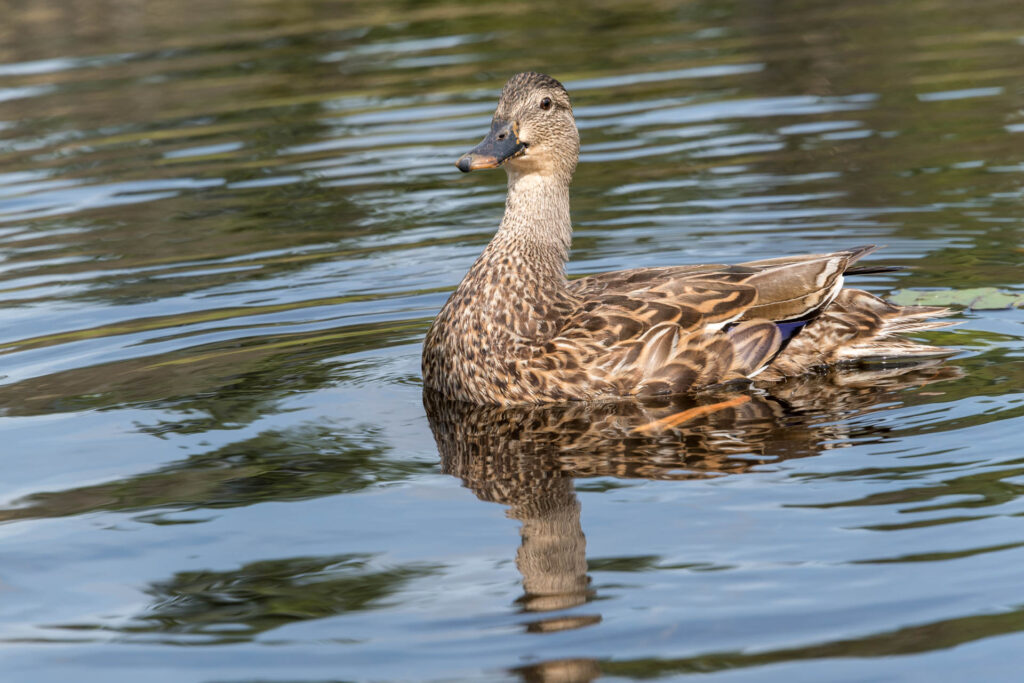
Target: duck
(516,330)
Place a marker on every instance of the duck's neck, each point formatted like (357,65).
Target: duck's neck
(514,297)
(516,293)
(535,232)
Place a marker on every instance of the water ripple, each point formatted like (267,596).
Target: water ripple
(225,228)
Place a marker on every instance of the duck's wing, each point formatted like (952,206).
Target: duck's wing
(670,330)
(787,288)
(652,336)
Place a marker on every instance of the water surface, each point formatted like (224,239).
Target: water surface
(225,227)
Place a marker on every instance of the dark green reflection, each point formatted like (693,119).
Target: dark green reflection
(930,637)
(238,605)
(295,464)
(217,385)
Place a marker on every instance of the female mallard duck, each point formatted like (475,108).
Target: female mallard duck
(517,331)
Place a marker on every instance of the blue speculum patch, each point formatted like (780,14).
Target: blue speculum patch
(790,329)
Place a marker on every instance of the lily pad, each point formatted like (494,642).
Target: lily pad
(976,298)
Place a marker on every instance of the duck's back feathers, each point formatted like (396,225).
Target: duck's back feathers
(671,330)
(655,331)
(787,288)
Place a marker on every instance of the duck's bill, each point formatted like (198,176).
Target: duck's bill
(501,144)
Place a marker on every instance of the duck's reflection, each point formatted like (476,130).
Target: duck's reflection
(504,456)
(527,457)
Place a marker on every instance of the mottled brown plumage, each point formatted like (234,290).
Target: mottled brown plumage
(517,331)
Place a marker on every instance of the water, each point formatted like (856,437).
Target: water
(225,227)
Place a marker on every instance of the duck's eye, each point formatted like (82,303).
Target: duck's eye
(545,103)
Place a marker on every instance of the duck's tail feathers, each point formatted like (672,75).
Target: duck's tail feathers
(858,326)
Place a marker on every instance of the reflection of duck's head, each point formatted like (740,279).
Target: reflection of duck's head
(533,131)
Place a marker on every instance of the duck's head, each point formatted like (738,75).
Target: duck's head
(533,130)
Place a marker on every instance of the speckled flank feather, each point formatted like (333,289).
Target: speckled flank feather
(517,331)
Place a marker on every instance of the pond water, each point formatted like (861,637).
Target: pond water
(225,228)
